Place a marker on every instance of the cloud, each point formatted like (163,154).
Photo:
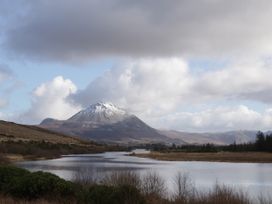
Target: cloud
(5,73)
(81,29)
(49,101)
(164,92)
(7,81)
(217,119)
(152,86)
(246,80)
(160,85)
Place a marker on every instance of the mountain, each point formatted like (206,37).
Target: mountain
(220,138)
(104,122)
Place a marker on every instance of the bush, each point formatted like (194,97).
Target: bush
(3,159)
(100,194)
(40,184)
(130,195)
(123,178)
(153,185)
(9,174)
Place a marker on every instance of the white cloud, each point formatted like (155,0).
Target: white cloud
(149,86)
(50,100)
(163,92)
(242,80)
(158,88)
(217,119)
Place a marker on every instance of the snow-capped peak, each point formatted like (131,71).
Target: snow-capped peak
(100,113)
(104,107)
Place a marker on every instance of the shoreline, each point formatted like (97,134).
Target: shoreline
(235,157)
(13,158)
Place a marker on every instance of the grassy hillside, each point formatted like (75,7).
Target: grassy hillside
(20,142)
(12,131)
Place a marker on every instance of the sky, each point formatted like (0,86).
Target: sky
(198,66)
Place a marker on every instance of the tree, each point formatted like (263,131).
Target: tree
(260,141)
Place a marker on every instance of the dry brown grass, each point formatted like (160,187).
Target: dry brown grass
(13,131)
(260,157)
(24,142)
(9,200)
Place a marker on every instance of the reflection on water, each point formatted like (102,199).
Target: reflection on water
(254,178)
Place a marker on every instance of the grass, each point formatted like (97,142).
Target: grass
(258,157)
(12,131)
(24,142)
(12,151)
(9,200)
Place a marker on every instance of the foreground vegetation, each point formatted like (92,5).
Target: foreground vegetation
(21,186)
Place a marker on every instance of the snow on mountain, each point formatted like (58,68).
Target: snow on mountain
(100,113)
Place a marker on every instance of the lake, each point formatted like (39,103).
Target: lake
(254,178)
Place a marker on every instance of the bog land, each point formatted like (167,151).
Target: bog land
(256,157)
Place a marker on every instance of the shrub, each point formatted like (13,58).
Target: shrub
(184,187)
(3,159)
(129,195)
(85,177)
(101,194)
(123,178)
(153,185)
(39,184)
(9,174)
(98,194)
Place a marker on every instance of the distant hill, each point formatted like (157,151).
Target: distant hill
(220,138)
(104,122)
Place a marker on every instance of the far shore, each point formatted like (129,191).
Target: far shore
(13,158)
(245,157)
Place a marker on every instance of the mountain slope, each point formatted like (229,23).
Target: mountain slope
(12,131)
(105,122)
(24,142)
